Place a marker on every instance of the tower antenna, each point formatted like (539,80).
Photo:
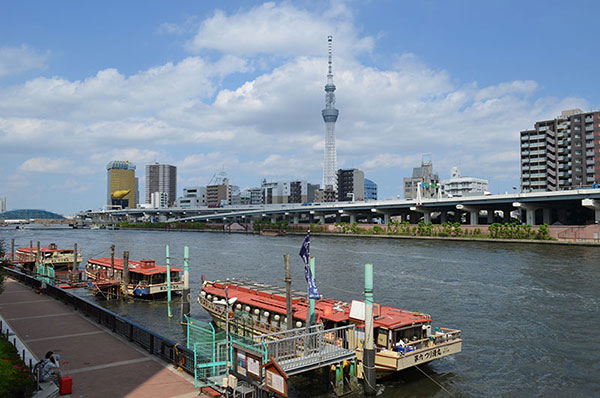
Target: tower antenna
(330,115)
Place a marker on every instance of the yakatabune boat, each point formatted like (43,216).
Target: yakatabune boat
(402,338)
(146,279)
(51,256)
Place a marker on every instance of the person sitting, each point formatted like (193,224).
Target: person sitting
(50,370)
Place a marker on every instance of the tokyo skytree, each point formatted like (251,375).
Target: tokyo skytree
(330,115)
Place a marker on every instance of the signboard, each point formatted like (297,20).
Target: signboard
(357,310)
(275,378)
(248,364)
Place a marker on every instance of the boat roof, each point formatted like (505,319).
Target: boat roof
(273,299)
(51,248)
(134,266)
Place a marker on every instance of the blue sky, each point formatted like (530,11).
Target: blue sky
(239,85)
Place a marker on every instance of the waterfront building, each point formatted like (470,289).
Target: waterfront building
(192,197)
(275,192)
(217,195)
(458,185)
(351,185)
(370,190)
(161,178)
(2,204)
(330,115)
(233,195)
(120,184)
(159,200)
(562,153)
(423,180)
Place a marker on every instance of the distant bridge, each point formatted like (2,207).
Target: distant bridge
(575,207)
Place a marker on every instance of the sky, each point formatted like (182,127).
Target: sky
(239,86)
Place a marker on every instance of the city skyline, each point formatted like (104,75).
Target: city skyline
(201,86)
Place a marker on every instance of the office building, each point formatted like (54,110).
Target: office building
(370,190)
(325,195)
(351,185)
(161,178)
(423,181)
(457,185)
(192,197)
(562,153)
(2,204)
(120,184)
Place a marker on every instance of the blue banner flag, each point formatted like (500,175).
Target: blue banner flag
(313,292)
(305,254)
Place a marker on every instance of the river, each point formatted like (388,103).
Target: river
(529,313)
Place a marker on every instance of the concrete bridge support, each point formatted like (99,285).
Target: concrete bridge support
(593,204)
(426,214)
(443,217)
(529,212)
(473,213)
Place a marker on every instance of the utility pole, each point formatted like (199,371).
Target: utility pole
(125,280)
(288,292)
(112,261)
(185,297)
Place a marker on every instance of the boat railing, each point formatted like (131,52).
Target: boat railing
(264,328)
(157,345)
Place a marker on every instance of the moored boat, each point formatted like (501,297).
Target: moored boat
(51,256)
(146,278)
(402,338)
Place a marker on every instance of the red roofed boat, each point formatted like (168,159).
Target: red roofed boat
(51,256)
(402,338)
(146,279)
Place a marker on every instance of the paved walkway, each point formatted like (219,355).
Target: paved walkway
(100,363)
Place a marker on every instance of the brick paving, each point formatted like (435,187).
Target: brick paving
(100,363)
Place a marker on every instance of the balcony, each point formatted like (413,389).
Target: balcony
(589,144)
(542,167)
(525,168)
(589,127)
(526,175)
(589,119)
(589,136)
(524,153)
(550,140)
(525,145)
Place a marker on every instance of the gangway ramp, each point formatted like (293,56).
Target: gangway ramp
(301,350)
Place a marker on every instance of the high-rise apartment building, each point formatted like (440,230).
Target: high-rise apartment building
(562,153)
(120,184)
(161,178)
(351,185)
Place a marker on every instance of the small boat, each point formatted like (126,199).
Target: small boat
(51,256)
(402,338)
(272,232)
(146,278)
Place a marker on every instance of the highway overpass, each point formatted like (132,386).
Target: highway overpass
(574,207)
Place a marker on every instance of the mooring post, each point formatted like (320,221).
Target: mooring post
(125,280)
(288,292)
(185,297)
(38,255)
(168,283)
(74,259)
(12,250)
(369,350)
(112,261)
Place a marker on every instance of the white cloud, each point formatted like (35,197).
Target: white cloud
(280,29)
(14,60)
(48,165)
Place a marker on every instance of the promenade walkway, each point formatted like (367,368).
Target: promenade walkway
(100,363)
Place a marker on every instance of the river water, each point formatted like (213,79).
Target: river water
(529,313)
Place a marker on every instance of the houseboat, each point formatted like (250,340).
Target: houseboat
(146,278)
(51,256)
(402,338)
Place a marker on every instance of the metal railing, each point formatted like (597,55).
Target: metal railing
(162,347)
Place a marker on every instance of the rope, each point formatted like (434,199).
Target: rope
(429,377)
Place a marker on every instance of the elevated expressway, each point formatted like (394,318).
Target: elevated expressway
(575,207)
